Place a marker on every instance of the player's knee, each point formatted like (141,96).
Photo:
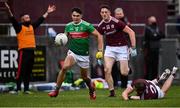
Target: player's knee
(107,74)
(107,70)
(125,72)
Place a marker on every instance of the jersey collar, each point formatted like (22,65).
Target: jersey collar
(78,23)
(108,20)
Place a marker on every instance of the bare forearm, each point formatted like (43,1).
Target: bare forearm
(132,38)
(134,97)
(100,43)
(49,10)
(125,96)
(127,92)
(99,39)
(45,15)
(131,34)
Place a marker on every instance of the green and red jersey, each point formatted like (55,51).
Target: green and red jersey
(79,37)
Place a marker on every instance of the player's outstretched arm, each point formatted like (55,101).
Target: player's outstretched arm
(9,10)
(51,8)
(126,93)
(14,22)
(134,97)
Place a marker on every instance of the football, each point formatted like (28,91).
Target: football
(61,39)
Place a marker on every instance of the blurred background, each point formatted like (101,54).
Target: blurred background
(49,56)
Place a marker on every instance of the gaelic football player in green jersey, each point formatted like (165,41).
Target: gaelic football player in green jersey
(78,32)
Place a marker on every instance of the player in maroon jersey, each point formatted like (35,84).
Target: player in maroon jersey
(116,44)
(119,14)
(147,89)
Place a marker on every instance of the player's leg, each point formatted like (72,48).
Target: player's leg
(169,81)
(162,76)
(124,67)
(29,66)
(69,61)
(21,69)
(84,75)
(124,81)
(124,70)
(123,58)
(18,83)
(109,61)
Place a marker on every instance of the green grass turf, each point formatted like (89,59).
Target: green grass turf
(80,98)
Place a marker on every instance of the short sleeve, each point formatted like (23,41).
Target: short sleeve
(66,29)
(99,30)
(121,25)
(90,28)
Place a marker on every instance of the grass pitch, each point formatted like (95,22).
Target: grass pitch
(80,98)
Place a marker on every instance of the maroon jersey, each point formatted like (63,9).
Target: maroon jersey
(113,30)
(150,91)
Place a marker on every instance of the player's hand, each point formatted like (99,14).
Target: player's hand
(133,51)
(51,8)
(99,54)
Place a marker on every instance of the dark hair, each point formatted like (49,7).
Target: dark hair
(105,6)
(76,9)
(22,14)
(140,85)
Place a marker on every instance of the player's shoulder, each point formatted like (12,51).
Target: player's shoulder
(102,21)
(114,20)
(70,23)
(85,23)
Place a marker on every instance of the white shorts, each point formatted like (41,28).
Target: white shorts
(160,92)
(82,61)
(117,52)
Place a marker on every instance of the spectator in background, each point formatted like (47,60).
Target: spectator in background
(152,35)
(116,45)
(119,14)
(26,45)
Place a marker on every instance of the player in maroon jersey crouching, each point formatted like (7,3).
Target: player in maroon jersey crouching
(147,89)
